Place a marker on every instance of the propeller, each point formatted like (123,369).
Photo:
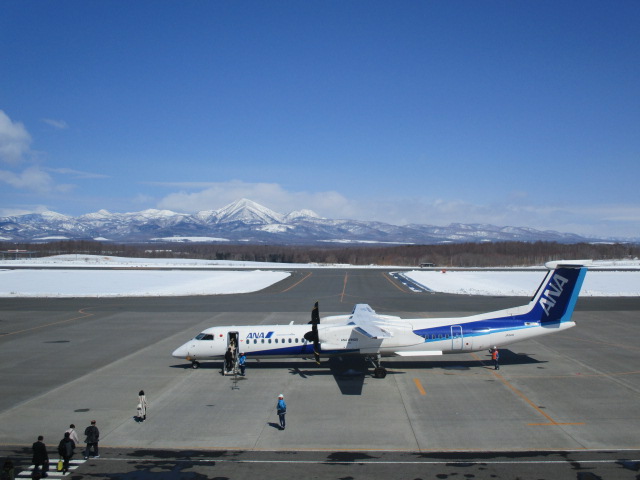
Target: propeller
(312,336)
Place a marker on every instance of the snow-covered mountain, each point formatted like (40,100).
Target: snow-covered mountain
(247,221)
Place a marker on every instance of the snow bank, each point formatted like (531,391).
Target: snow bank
(107,276)
(132,283)
(596,284)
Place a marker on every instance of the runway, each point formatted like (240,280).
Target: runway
(68,361)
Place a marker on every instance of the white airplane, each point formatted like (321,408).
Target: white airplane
(366,333)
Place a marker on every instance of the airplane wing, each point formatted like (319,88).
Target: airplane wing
(364,318)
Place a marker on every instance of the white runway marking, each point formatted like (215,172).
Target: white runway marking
(52,473)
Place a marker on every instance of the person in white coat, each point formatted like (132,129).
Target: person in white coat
(72,434)
(142,406)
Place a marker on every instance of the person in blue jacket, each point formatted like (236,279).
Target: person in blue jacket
(241,362)
(281,407)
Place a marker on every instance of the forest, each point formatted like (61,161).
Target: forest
(494,254)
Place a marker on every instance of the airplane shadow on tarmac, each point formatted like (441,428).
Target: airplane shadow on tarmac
(350,372)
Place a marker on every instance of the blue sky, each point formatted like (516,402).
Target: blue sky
(502,112)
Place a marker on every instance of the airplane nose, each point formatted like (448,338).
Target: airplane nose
(181,352)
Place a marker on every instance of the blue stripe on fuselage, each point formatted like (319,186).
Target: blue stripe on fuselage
(294,350)
(554,305)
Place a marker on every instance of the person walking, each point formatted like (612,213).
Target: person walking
(8,472)
(495,356)
(66,449)
(281,408)
(93,437)
(142,401)
(73,435)
(40,456)
(228,361)
(242,362)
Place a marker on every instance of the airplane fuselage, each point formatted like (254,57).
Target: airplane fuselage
(428,337)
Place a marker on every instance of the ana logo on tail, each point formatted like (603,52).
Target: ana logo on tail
(550,295)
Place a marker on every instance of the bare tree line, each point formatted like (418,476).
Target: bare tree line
(493,254)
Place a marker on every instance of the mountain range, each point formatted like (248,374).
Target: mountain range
(249,222)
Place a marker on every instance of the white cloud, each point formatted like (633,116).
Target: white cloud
(600,221)
(24,210)
(15,148)
(77,173)
(14,140)
(270,195)
(34,179)
(59,124)
(515,211)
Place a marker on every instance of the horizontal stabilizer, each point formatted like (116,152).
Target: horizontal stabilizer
(567,264)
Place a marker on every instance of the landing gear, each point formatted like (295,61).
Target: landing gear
(378,370)
(195,364)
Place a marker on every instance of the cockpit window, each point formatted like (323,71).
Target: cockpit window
(204,336)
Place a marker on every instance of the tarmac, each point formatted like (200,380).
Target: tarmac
(561,406)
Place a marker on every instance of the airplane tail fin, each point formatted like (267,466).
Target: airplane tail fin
(557,295)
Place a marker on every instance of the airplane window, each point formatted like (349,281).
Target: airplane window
(200,336)
(289,340)
(296,340)
(255,340)
(262,340)
(269,340)
(207,337)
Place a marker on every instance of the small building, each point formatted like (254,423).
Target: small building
(15,254)
(427,265)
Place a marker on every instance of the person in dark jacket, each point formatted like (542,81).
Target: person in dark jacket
(228,361)
(93,436)
(66,449)
(8,472)
(40,456)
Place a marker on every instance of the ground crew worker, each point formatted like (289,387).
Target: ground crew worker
(241,362)
(495,356)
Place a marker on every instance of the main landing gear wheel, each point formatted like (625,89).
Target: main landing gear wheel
(195,364)
(380,372)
